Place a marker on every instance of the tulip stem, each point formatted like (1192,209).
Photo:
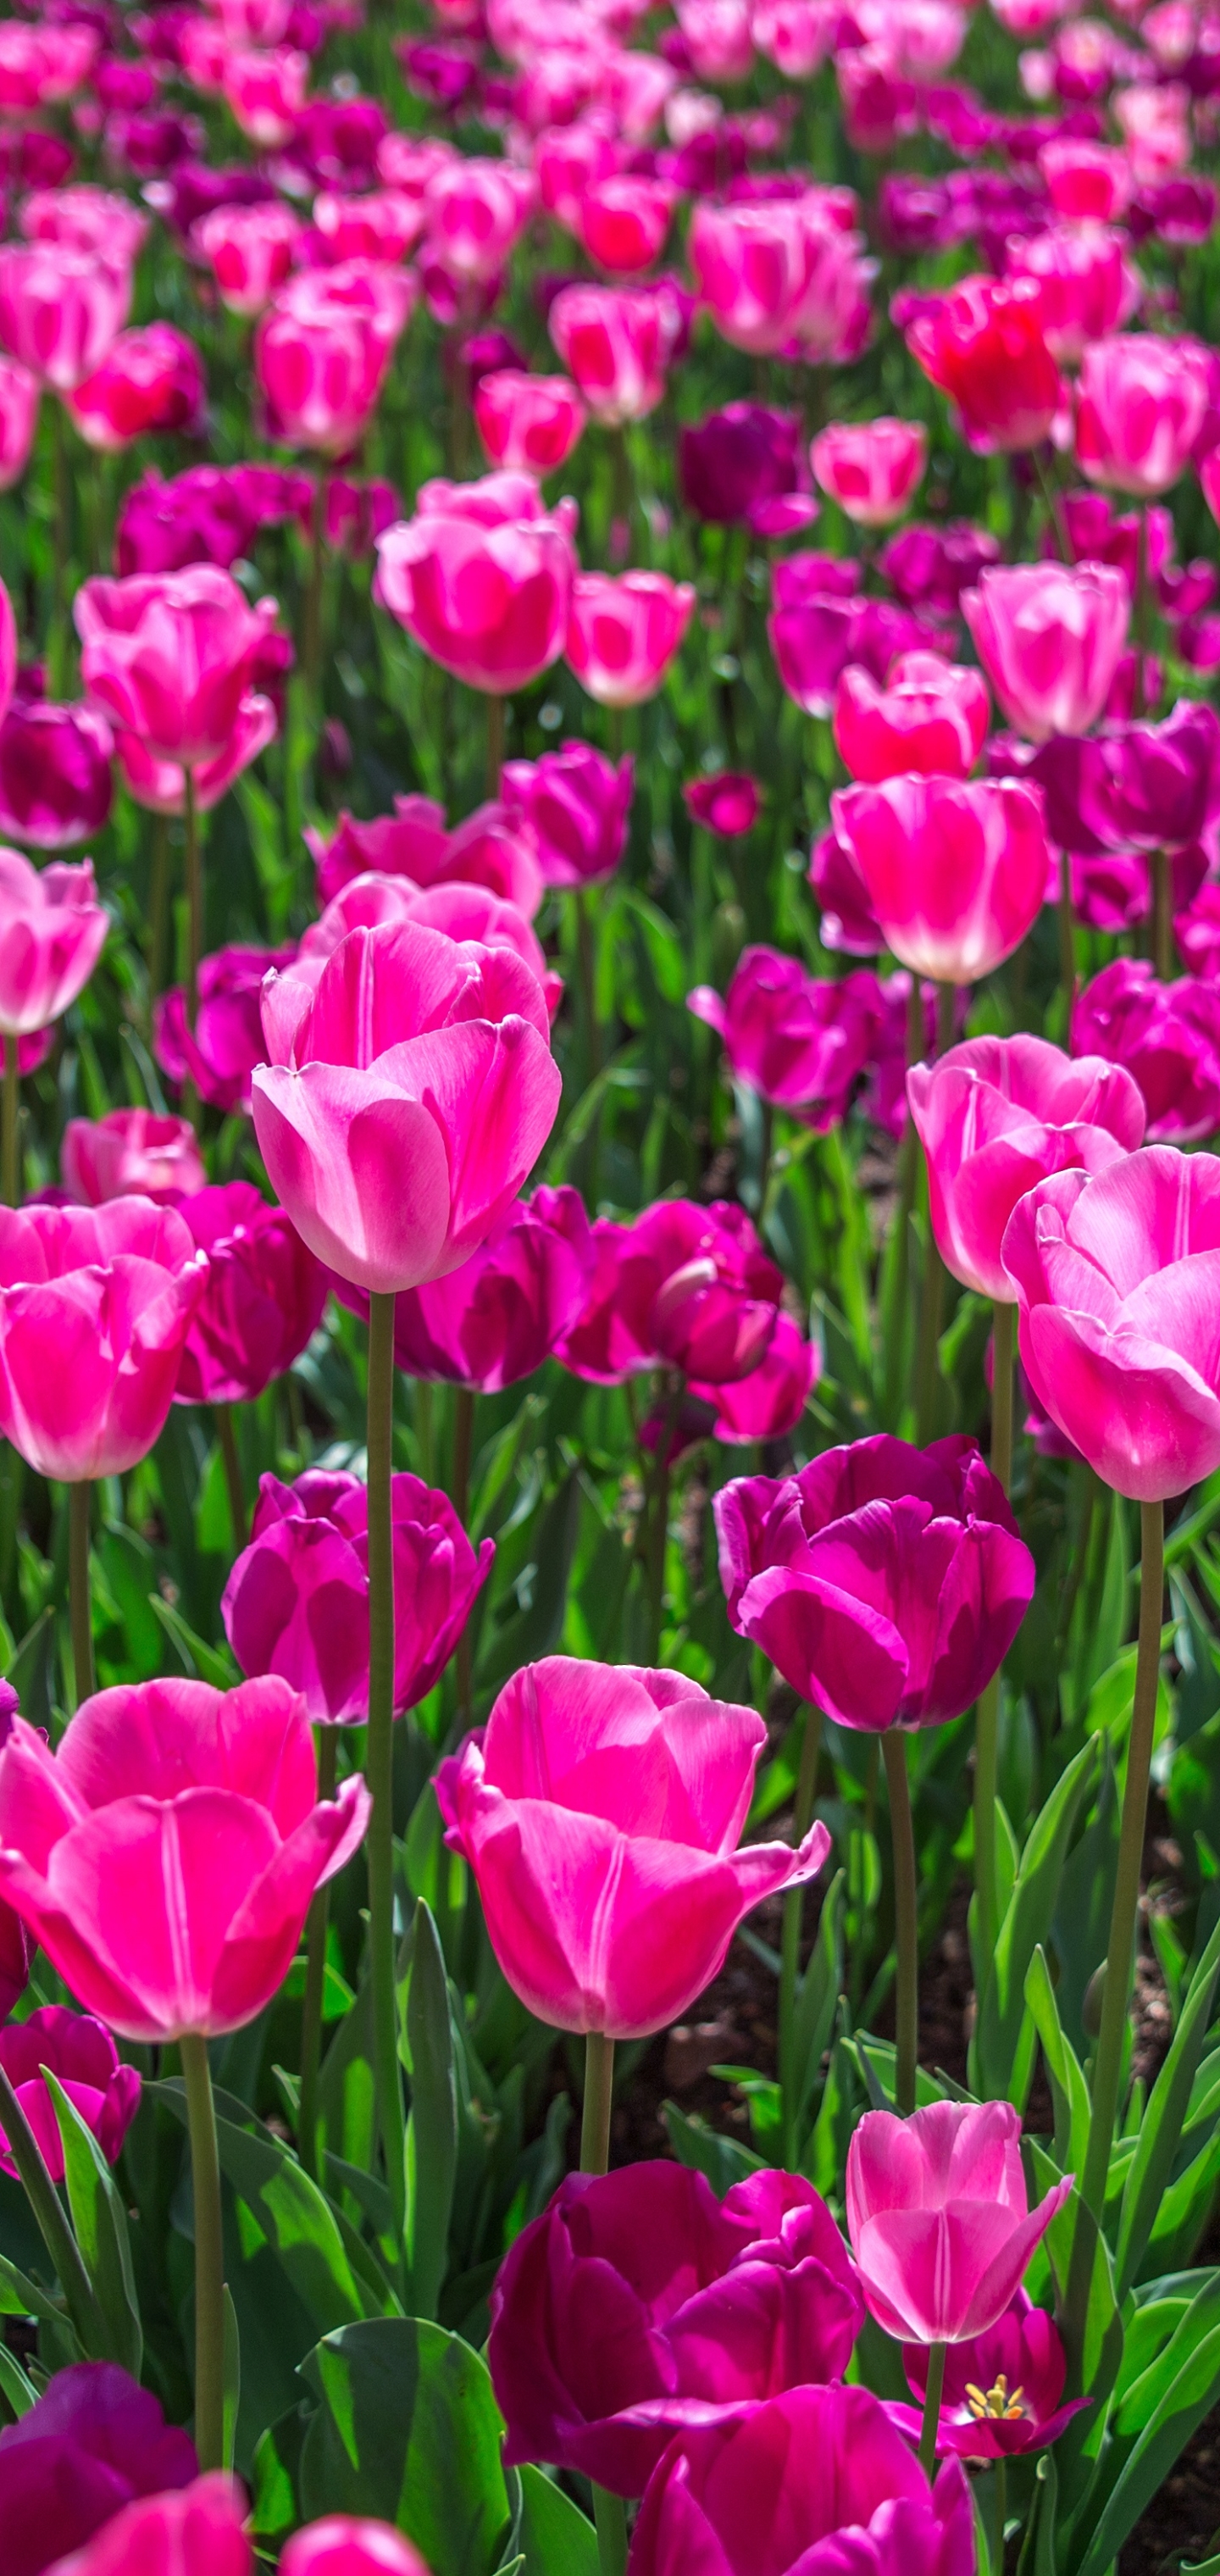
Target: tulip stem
(1001,2516)
(931,2408)
(379,1756)
(311,621)
(194,902)
(315,1978)
(906,1921)
(158,911)
(586,969)
(987,1719)
(79,1603)
(608,2512)
(226,1432)
(12,1115)
(794,1909)
(496,713)
(1067,943)
(209,2253)
(57,640)
(908,1169)
(463,1445)
(927,1369)
(1108,2064)
(1162,916)
(1054,506)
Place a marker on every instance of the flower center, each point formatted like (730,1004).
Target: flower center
(998,2405)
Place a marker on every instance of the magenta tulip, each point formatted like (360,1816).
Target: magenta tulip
(984,344)
(956,871)
(600,1809)
(1087,283)
(220,1053)
(166,1855)
(529,424)
(727,803)
(349,2544)
(482,579)
(262,1301)
(151,379)
(130,1153)
(171,657)
(797,1040)
(622,221)
(872,468)
(476,212)
(85,2062)
(1003,2389)
(1050,638)
(381,226)
(638,2306)
(462,911)
(1117,1282)
(95,1305)
(775,275)
(576,804)
(18,421)
(60,310)
(1167,1036)
(848,923)
(682,1287)
(406,1100)
(491,848)
(249,251)
(323,350)
(616,344)
(296,1602)
(160,785)
(996,1116)
(265,87)
(737,460)
(768,1403)
(816,2479)
(55,782)
(92,2442)
(500,1316)
(1140,408)
(52,933)
(939,2217)
(885,1583)
(81,217)
(201,2531)
(623,633)
(930,718)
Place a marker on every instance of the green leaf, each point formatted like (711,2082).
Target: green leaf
(1199,2319)
(296,2220)
(1026,1923)
(431,2150)
(720,2158)
(83,2305)
(199,1661)
(19,2391)
(534,1632)
(21,2297)
(1069,2091)
(100,2222)
(1161,2127)
(555,2537)
(1180,2410)
(817,1996)
(408,2431)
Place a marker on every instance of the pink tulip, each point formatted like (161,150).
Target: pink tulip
(795,1040)
(778,273)
(485,592)
(347,2544)
(939,2217)
(41,65)
(95,1305)
(249,251)
(220,1053)
(622,223)
(492,848)
(160,785)
(1117,1281)
(84,2060)
(995,1117)
(1050,637)
(1087,284)
(681,1287)
(1155,126)
(600,1809)
(872,468)
(405,1102)
(55,770)
(718,38)
(380,226)
(90,2444)
(130,1153)
(528,423)
(476,212)
(60,310)
(956,871)
(984,345)
(616,343)
(166,1855)
(18,421)
(623,633)
(52,933)
(462,911)
(494,1321)
(148,380)
(792,34)
(930,718)
(727,803)
(297,1600)
(1003,2390)
(569,159)
(1141,405)
(87,218)
(171,656)
(322,351)
(266,91)
(262,1301)
(1168,1038)
(1086,182)
(576,804)
(769,1402)
(200,2531)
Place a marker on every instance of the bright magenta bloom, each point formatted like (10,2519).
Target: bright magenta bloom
(728,803)
(769,1402)
(55,778)
(1050,638)
(939,2217)
(616,343)
(528,423)
(93,2441)
(249,251)
(681,1287)
(84,2059)
(199,2531)
(1086,180)
(1003,2389)
(956,871)
(171,656)
(381,225)
(623,633)
(795,1038)
(60,310)
(622,222)
(985,346)
(994,1117)
(813,2481)
(1141,405)
(931,717)
(463,911)
(52,933)
(482,578)
(600,1809)
(262,1300)
(322,352)
(40,65)
(1167,1036)
(886,1583)
(476,212)
(489,849)
(576,803)
(872,468)
(95,1305)
(149,379)
(219,1055)
(130,1153)
(499,1317)
(266,90)
(348,2544)
(638,2306)
(166,1856)
(777,273)
(296,1602)
(160,785)
(406,1101)
(1117,1280)
(18,420)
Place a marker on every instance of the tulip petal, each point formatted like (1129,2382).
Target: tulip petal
(362,1170)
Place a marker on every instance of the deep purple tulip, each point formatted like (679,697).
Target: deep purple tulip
(682,1287)
(797,1040)
(886,1583)
(639,2306)
(815,633)
(87,2448)
(737,459)
(55,775)
(1142,786)
(499,1317)
(262,1302)
(210,514)
(297,1600)
(220,1055)
(83,2058)
(1168,1038)
(930,567)
(1003,2389)
(576,804)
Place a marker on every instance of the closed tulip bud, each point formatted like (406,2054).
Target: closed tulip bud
(1050,638)
(623,633)
(939,2217)
(60,310)
(984,345)
(148,380)
(576,804)
(622,223)
(529,424)
(616,343)
(930,718)
(482,579)
(323,350)
(52,932)
(90,2444)
(55,773)
(171,657)
(249,250)
(95,1305)
(872,468)
(1141,405)
(130,1153)
(956,871)
(727,803)
(82,2057)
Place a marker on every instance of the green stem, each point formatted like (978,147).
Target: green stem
(1108,2065)
(658,1522)
(906,1921)
(463,1445)
(315,1977)
(931,2408)
(609,2514)
(158,910)
(379,1758)
(1001,2516)
(57,641)
(226,1432)
(12,1115)
(79,1603)
(209,2254)
(987,1719)
(311,623)
(495,744)
(1054,506)
(194,902)
(586,969)
(1143,615)
(908,1171)
(794,1908)
(1067,943)
(1162,916)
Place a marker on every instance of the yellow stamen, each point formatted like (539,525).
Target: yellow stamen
(996,2405)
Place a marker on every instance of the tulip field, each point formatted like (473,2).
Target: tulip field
(609,1288)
